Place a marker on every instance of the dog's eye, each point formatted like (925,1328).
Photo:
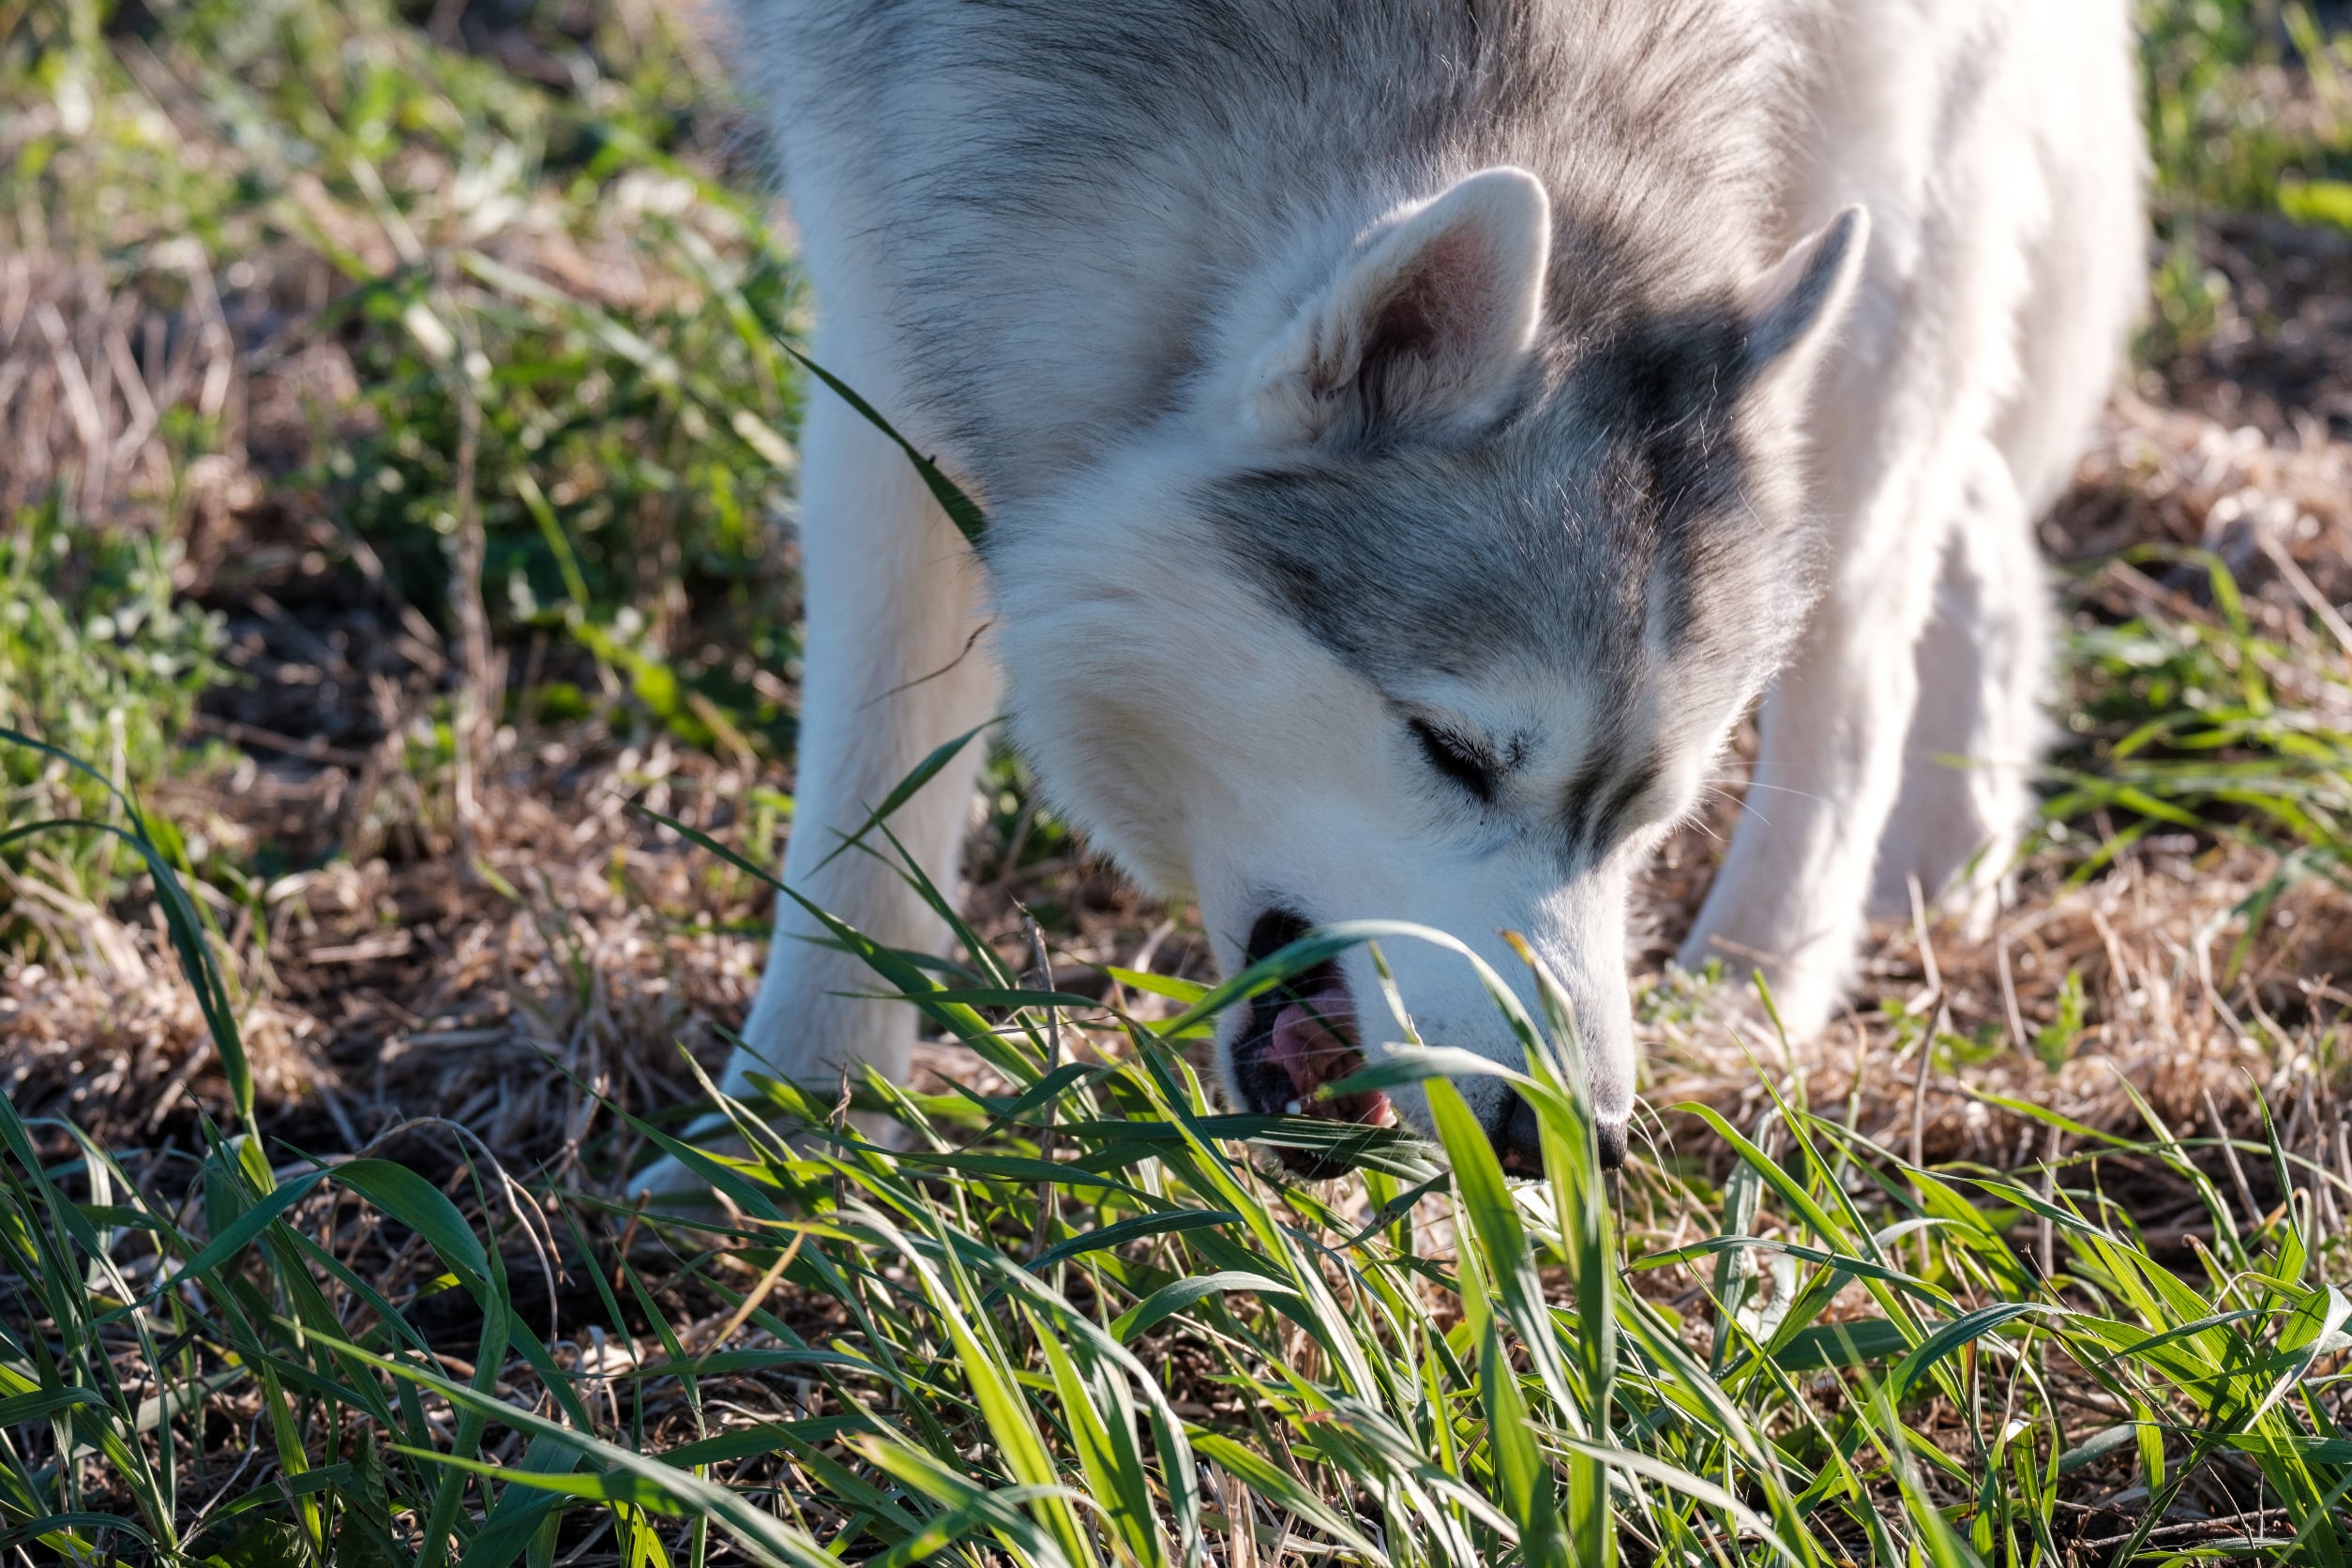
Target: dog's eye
(1455,758)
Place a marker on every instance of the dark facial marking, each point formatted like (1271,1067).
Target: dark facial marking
(1594,812)
(1611,820)
(1575,809)
(1668,391)
(1566,531)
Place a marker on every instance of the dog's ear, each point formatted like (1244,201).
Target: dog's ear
(1793,309)
(1426,328)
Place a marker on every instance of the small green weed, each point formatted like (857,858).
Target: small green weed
(2053,1043)
(2199,722)
(98,654)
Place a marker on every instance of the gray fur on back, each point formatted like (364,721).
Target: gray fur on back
(1212,141)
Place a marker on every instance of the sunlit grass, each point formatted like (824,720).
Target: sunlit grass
(1075,1322)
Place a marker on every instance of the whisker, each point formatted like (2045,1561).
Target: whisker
(1759,815)
(1784,789)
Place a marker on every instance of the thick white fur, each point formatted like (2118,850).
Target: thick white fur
(2005,263)
(1218,752)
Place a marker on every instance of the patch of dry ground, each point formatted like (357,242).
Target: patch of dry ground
(577,947)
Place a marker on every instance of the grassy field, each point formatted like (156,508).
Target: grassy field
(397,660)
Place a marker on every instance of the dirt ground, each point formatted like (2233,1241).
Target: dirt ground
(501,960)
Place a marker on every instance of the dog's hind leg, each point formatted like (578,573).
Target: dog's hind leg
(1967,779)
(896,665)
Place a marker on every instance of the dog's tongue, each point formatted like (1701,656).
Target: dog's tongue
(1314,1044)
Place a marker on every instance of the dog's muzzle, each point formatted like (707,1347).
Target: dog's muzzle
(1300,1038)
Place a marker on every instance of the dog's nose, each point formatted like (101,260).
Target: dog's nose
(1521,1146)
(1518,1144)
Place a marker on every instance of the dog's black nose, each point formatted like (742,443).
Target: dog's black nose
(1521,1148)
(1518,1143)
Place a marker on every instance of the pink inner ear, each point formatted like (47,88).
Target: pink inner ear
(1429,328)
(1440,303)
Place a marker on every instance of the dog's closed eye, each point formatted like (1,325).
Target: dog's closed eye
(1463,762)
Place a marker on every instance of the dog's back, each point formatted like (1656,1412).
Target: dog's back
(1058,196)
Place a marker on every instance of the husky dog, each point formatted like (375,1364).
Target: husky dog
(1414,431)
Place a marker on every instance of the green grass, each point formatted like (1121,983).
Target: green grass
(2192,720)
(99,654)
(2229,134)
(965,1351)
(628,424)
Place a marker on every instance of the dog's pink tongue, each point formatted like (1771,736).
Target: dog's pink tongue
(1314,1044)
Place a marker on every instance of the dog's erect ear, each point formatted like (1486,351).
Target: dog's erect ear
(1426,328)
(1794,309)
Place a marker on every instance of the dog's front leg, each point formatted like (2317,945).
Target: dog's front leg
(896,664)
(1790,901)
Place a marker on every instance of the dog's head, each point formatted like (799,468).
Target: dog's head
(1434,605)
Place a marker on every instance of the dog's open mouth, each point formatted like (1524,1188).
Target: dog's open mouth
(1300,1038)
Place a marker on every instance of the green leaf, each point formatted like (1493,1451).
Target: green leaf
(263,1544)
(601,1485)
(906,789)
(1951,1336)
(1262,1476)
(961,510)
(183,921)
(764,1537)
(1171,1299)
(2325,202)
(1827,1346)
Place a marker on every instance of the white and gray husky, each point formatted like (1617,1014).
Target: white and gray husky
(1413,432)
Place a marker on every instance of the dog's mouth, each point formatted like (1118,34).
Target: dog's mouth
(1301,1037)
